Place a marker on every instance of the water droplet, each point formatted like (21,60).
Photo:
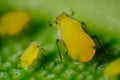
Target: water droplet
(3,75)
(7,64)
(50,76)
(69,72)
(17,72)
(43,73)
(58,67)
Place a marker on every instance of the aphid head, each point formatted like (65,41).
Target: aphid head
(35,44)
(61,18)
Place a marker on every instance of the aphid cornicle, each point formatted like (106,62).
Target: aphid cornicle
(79,44)
(30,54)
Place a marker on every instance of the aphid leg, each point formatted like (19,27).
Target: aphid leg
(18,65)
(41,51)
(51,24)
(57,41)
(44,55)
(72,12)
(84,27)
(100,44)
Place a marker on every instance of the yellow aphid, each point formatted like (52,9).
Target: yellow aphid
(79,44)
(13,22)
(30,54)
(113,68)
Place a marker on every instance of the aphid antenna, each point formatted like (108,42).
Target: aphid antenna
(72,12)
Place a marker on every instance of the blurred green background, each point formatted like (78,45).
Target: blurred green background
(101,19)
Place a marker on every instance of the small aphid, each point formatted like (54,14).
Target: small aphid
(79,44)
(13,22)
(30,54)
(113,68)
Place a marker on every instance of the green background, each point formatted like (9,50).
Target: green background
(101,18)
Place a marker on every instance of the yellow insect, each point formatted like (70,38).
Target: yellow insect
(113,68)
(30,54)
(13,22)
(79,44)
